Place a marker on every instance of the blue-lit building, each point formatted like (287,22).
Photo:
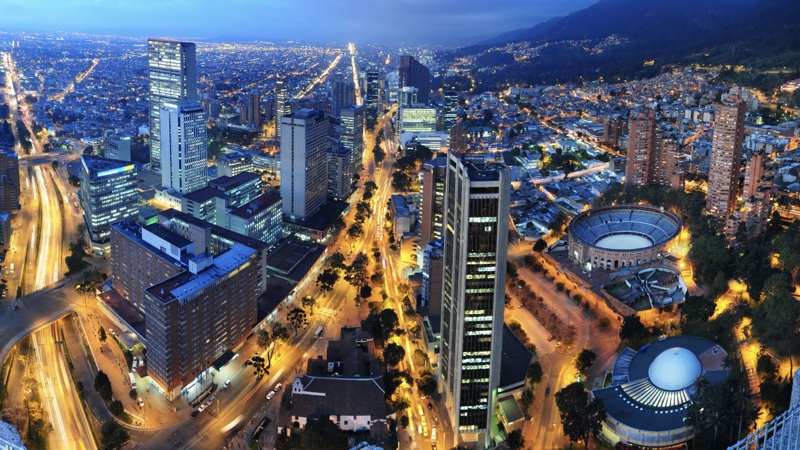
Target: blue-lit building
(108,193)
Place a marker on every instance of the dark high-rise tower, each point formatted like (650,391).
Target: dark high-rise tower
(352,118)
(172,74)
(476,204)
(449,110)
(373,95)
(412,73)
(343,94)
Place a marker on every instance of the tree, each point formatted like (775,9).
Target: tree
(535,372)
(88,150)
(775,317)
(113,435)
(720,284)
(327,279)
(420,357)
(393,354)
(427,383)
(584,360)
(101,379)
(527,398)
(116,407)
(632,329)
(365,292)
(580,418)
(263,339)
(16,416)
(515,440)
(336,261)
(309,303)
(297,317)
(404,422)
(102,334)
(539,245)
(389,323)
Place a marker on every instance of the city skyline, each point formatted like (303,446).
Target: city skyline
(447,22)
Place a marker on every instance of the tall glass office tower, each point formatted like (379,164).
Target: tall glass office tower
(172,68)
(475,249)
(352,118)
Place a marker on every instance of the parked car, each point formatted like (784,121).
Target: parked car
(278,387)
(135,363)
(140,401)
(141,360)
(270,395)
(195,413)
(211,400)
(227,383)
(547,391)
(111,330)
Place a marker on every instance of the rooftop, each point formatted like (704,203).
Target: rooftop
(340,397)
(185,285)
(215,230)
(256,206)
(102,167)
(514,360)
(203,195)
(226,183)
(168,235)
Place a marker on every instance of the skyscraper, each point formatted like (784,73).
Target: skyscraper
(184,149)
(304,162)
(412,73)
(9,179)
(756,207)
(283,104)
(434,173)
(343,94)
(459,141)
(172,74)
(352,118)
(664,162)
(251,110)
(642,134)
(339,177)
(726,156)
(476,205)
(449,110)
(373,94)
(108,191)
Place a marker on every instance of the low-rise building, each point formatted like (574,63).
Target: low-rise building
(260,219)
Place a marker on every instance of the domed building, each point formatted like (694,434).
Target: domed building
(651,390)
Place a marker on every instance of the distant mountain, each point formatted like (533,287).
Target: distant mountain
(755,33)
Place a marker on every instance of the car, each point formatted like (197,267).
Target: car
(211,400)
(433,433)
(424,431)
(201,408)
(140,401)
(547,391)
(195,413)
(278,387)
(433,445)
(141,360)
(111,330)
(227,383)
(135,363)
(424,422)
(430,406)
(270,395)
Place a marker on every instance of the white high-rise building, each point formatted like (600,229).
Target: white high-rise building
(172,69)
(283,104)
(184,149)
(475,231)
(304,162)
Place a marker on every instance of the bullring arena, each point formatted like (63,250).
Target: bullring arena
(612,237)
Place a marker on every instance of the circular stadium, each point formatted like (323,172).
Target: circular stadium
(612,237)
(650,390)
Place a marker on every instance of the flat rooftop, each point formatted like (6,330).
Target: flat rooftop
(256,206)
(292,258)
(203,195)
(226,183)
(184,285)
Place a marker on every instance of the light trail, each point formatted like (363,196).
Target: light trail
(48,266)
(352,48)
(320,77)
(49,394)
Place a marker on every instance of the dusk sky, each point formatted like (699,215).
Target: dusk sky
(451,22)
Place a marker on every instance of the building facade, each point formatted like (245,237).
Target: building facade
(232,164)
(260,219)
(417,119)
(434,173)
(642,135)
(109,195)
(172,77)
(340,177)
(283,104)
(372,99)
(352,137)
(343,94)
(726,155)
(117,147)
(184,148)
(449,110)
(412,73)
(250,113)
(304,163)
(240,189)
(475,248)
(9,180)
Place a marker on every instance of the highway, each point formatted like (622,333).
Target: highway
(71,429)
